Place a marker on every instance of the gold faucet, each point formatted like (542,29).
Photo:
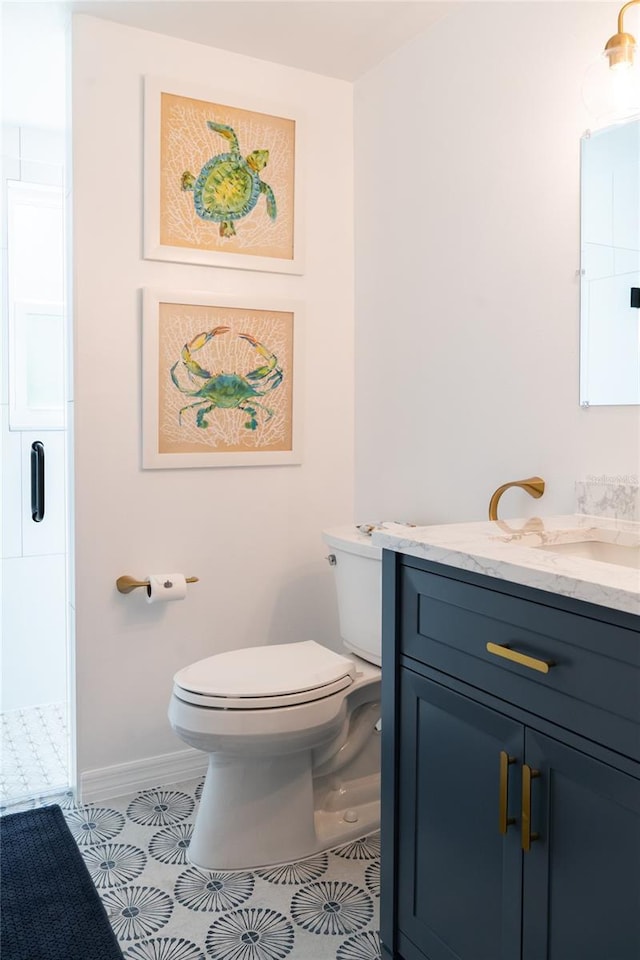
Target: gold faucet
(534,486)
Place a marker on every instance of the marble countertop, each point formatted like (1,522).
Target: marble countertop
(507,550)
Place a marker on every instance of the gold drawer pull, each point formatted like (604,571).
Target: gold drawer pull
(526,836)
(503,820)
(533,663)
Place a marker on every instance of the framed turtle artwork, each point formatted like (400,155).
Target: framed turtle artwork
(222,179)
(221,380)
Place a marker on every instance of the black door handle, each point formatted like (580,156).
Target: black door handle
(37,481)
(635,297)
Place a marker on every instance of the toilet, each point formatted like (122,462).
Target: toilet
(290,731)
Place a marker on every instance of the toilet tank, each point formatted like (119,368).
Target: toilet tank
(358,578)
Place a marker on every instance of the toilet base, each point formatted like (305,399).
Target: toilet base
(332,829)
(254,813)
(272,811)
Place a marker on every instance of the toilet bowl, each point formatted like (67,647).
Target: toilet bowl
(290,731)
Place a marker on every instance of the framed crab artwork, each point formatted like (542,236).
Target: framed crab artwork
(221,380)
(222,179)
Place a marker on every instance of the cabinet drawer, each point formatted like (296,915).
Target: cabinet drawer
(593,682)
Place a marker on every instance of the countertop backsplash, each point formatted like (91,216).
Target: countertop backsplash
(618,498)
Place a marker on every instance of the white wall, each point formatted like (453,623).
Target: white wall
(467,246)
(251,534)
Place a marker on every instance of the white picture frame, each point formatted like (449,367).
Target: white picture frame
(260,419)
(175,128)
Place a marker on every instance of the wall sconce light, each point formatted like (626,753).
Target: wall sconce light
(611,88)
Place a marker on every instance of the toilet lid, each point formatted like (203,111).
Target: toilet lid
(298,672)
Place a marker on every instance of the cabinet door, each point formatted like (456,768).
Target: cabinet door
(582,875)
(459,877)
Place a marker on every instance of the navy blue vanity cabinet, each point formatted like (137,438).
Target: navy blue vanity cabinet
(582,876)
(511,797)
(459,879)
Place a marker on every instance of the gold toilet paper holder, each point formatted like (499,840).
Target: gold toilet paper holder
(126,584)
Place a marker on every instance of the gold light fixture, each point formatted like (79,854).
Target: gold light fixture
(611,87)
(621,49)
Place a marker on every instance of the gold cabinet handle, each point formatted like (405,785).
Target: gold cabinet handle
(504,821)
(533,663)
(528,774)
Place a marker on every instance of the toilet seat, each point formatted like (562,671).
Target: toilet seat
(258,678)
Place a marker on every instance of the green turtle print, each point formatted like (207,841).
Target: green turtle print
(229,185)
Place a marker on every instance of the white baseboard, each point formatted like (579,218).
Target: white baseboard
(123,778)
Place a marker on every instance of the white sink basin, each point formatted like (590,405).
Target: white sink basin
(624,555)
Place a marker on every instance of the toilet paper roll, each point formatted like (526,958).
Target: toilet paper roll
(166,586)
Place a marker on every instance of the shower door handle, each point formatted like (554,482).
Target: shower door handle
(37,481)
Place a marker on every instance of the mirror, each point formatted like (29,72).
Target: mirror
(610,266)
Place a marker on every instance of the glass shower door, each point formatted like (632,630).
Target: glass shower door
(33,695)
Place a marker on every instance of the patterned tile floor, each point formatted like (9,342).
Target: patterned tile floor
(162,908)
(33,752)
